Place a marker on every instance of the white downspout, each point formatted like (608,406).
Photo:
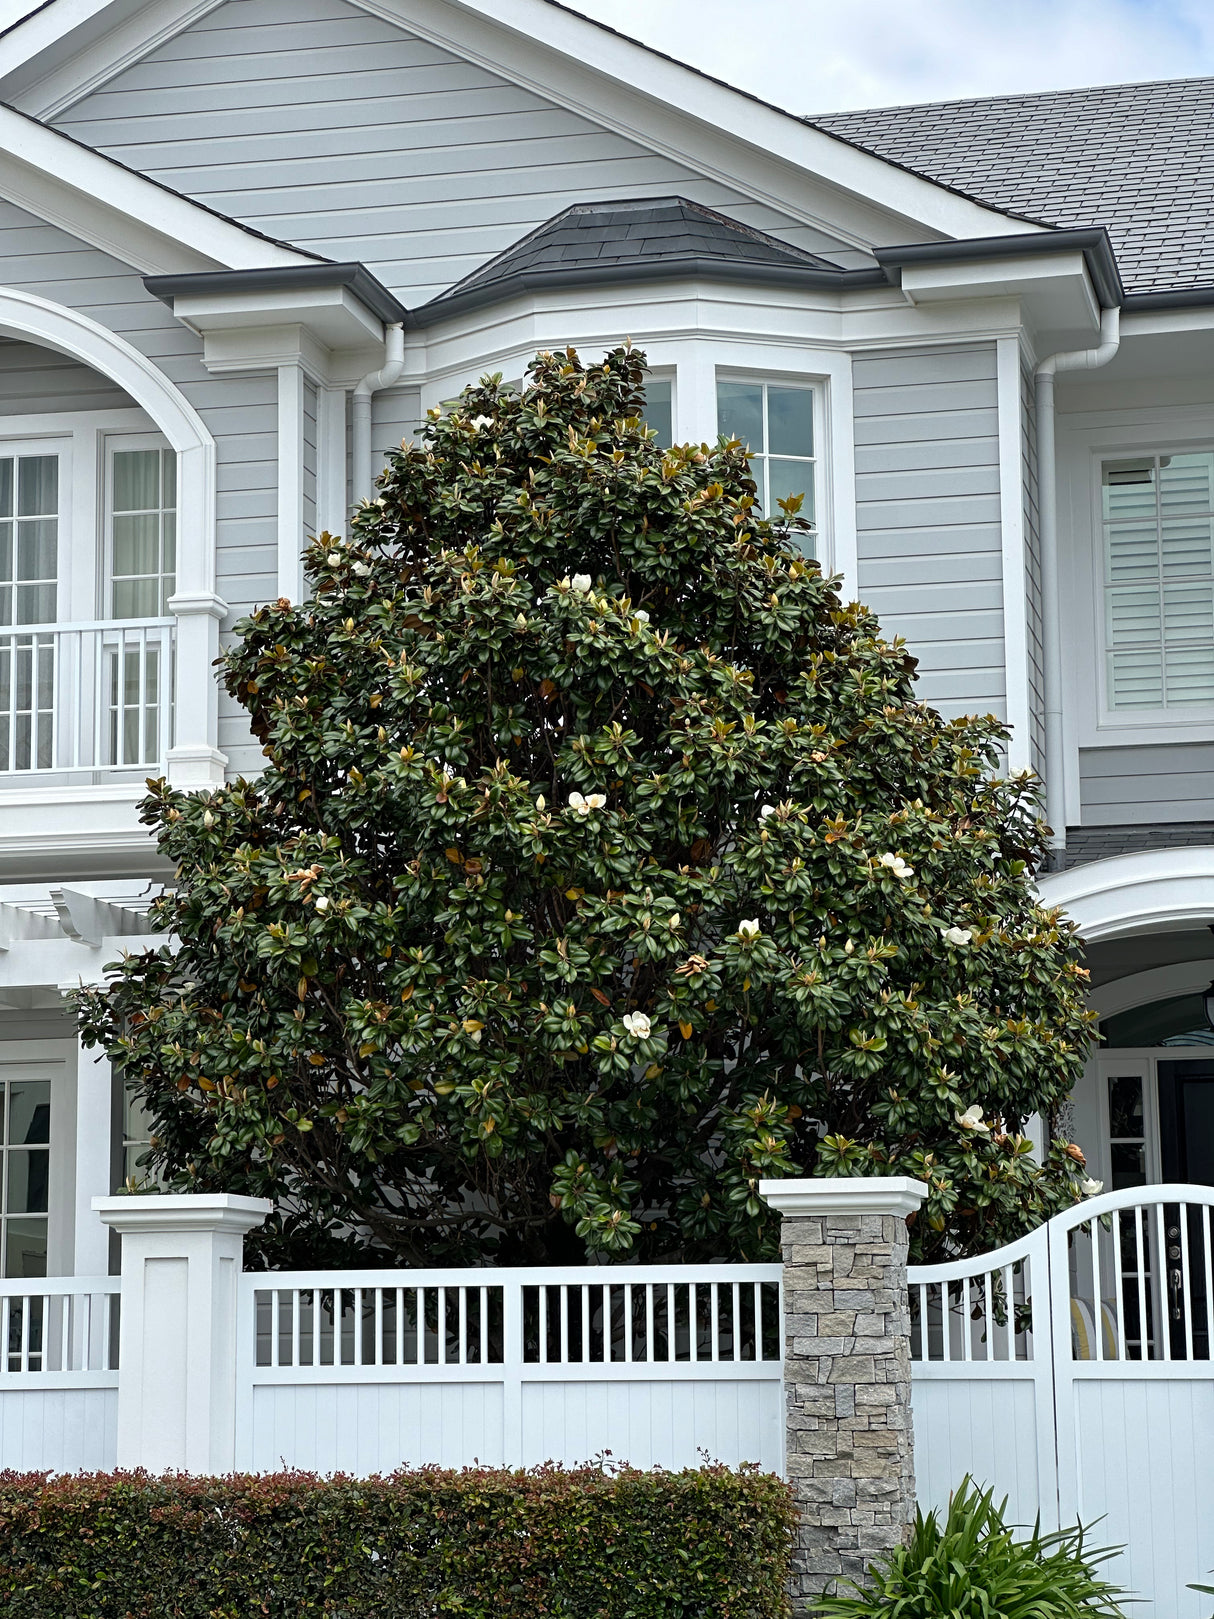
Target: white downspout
(362,473)
(1047,517)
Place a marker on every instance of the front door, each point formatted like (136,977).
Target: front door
(1186,1120)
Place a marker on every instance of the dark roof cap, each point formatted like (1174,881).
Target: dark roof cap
(281,278)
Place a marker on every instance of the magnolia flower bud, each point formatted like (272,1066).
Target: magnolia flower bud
(581,582)
(748,930)
(322,902)
(333,559)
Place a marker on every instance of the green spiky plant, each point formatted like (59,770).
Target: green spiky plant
(970,1565)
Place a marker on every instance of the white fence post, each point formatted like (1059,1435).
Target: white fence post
(181,1261)
(846,1371)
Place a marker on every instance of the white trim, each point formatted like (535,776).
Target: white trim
(595,72)
(878,1194)
(1155,984)
(290,481)
(332,506)
(1135,893)
(122,213)
(1015,571)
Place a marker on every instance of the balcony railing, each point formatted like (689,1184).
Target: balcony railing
(86,697)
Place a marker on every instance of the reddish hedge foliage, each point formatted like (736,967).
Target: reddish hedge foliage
(547,1544)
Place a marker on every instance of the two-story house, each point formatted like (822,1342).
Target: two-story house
(245,244)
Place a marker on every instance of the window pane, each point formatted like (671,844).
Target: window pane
(1129,1166)
(1125,1107)
(136,544)
(136,480)
(790,420)
(169,540)
(37,548)
(6,550)
(1188,612)
(28,1181)
(29,1112)
(1189,676)
(659,410)
(1129,488)
(35,604)
(1133,616)
(6,487)
(137,598)
(25,1247)
(1186,483)
(1186,547)
(38,486)
(168,491)
(1132,552)
(1136,679)
(786,478)
(740,412)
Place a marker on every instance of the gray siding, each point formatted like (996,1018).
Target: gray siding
(240,412)
(1169,781)
(325,126)
(927,516)
(36,381)
(1032,557)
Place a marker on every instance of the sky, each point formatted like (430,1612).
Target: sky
(812,56)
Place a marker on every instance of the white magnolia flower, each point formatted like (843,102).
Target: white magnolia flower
(362,569)
(958,935)
(480,421)
(1091,1188)
(322,902)
(749,930)
(333,558)
(641,616)
(638,1025)
(596,800)
(971,1119)
(581,582)
(583,806)
(896,864)
(768,809)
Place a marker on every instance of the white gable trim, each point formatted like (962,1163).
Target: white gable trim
(714,130)
(122,213)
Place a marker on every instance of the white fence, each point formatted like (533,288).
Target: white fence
(364,1372)
(84,697)
(1072,1370)
(59,1377)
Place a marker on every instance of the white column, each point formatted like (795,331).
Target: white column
(181,1265)
(94,1160)
(194,760)
(290,480)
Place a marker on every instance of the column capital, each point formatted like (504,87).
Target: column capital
(173,1213)
(845,1194)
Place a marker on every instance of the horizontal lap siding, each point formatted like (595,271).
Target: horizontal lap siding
(1131,786)
(36,381)
(240,412)
(927,516)
(327,127)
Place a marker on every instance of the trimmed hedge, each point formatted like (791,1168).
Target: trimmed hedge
(548,1544)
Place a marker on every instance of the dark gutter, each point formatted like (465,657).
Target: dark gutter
(662,269)
(356,278)
(1092,241)
(1177,298)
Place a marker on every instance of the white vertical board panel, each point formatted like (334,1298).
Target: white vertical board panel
(982,1427)
(61,1430)
(1145,1450)
(654,1423)
(365,1428)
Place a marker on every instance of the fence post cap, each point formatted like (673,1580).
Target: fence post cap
(183,1211)
(884,1194)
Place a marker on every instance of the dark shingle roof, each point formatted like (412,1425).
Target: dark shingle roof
(1087,843)
(642,239)
(1136,158)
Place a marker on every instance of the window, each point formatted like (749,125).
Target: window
(26,1139)
(776,422)
(1127,1132)
(29,538)
(143,532)
(1158,539)
(659,410)
(136,1139)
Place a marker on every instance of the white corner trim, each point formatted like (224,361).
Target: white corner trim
(885,1194)
(1015,571)
(119,211)
(1136,893)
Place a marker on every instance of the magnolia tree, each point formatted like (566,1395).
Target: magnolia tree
(603,863)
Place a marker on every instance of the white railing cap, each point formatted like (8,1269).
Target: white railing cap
(183,1211)
(884,1194)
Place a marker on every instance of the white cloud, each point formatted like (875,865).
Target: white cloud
(824,55)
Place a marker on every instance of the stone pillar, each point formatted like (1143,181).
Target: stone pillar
(849,1448)
(177,1351)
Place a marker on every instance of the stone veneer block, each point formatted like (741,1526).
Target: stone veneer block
(849,1446)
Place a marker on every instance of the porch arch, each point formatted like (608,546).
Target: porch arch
(1136,893)
(28,318)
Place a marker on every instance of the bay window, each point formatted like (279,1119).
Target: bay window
(775,420)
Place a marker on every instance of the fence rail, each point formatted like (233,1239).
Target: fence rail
(84,697)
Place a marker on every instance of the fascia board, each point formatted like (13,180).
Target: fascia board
(112,208)
(694,119)
(1055,290)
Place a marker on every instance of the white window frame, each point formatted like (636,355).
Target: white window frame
(54,1060)
(60,446)
(112,442)
(813,386)
(1085,444)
